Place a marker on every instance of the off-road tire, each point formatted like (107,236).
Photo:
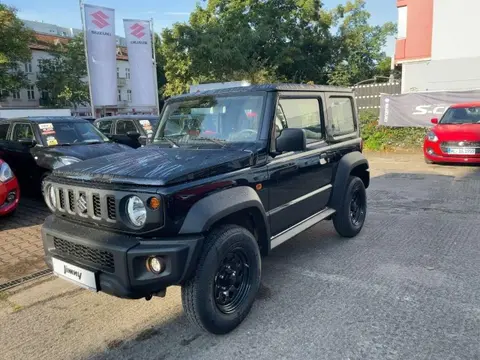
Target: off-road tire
(198,297)
(342,220)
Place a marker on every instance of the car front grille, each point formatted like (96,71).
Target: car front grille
(460,145)
(86,203)
(98,258)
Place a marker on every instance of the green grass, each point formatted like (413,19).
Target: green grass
(383,138)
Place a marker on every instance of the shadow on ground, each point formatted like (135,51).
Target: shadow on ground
(405,287)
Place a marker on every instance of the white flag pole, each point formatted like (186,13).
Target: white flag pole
(82,14)
(152,31)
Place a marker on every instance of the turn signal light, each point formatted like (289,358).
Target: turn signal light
(154,203)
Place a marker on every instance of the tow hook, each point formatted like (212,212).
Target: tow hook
(148,297)
(160,293)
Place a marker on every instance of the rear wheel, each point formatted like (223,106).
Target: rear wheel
(221,293)
(350,217)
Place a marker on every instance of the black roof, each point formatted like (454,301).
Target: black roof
(133,117)
(266,87)
(52,119)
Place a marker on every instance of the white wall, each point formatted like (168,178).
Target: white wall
(455,29)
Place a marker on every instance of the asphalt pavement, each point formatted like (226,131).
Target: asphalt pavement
(408,287)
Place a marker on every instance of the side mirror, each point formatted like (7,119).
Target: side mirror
(133,134)
(27,142)
(291,140)
(434,121)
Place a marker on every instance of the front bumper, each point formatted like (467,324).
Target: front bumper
(433,152)
(118,260)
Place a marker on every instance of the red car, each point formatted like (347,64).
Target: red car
(9,190)
(456,137)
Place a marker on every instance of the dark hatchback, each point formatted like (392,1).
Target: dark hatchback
(132,130)
(35,146)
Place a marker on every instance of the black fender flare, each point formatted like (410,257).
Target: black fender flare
(207,211)
(352,163)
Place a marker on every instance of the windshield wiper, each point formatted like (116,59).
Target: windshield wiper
(211,140)
(173,143)
(93,142)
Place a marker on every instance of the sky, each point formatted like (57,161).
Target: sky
(163,12)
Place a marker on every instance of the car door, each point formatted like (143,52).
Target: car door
(22,161)
(300,182)
(122,128)
(4,142)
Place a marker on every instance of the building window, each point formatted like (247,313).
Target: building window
(127,73)
(119,95)
(118,72)
(129,95)
(31,92)
(402,22)
(28,67)
(16,95)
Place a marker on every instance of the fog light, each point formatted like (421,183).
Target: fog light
(430,151)
(155,264)
(11,197)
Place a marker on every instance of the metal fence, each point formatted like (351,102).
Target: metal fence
(368,96)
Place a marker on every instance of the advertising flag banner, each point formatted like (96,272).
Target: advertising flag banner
(140,57)
(101,51)
(417,109)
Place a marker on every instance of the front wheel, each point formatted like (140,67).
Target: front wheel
(350,217)
(221,293)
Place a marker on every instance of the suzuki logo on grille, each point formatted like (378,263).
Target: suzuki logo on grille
(137,30)
(99,19)
(82,204)
(461,143)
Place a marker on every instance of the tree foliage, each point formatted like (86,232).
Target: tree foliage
(275,40)
(15,39)
(62,77)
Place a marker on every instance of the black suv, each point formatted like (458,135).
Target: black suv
(34,146)
(132,130)
(229,175)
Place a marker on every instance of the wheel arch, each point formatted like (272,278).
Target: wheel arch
(239,205)
(352,164)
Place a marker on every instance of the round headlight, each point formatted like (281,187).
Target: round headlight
(136,211)
(51,196)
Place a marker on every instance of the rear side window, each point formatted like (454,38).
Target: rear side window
(105,126)
(22,131)
(4,131)
(124,126)
(301,114)
(340,114)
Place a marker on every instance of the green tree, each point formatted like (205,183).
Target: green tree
(62,77)
(15,39)
(358,45)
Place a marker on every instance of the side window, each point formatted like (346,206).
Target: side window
(302,114)
(124,126)
(340,114)
(22,131)
(105,126)
(4,131)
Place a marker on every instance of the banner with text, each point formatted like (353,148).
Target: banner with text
(102,54)
(417,109)
(140,59)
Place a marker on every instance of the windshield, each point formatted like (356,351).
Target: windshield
(469,115)
(217,119)
(69,133)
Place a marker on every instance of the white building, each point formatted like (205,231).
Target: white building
(48,33)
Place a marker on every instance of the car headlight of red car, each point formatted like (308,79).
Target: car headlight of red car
(431,136)
(5,173)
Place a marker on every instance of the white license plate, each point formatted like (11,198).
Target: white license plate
(75,274)
(461,151)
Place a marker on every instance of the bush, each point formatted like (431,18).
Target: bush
(388,138)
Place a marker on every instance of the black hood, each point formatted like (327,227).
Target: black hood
(152,165)
(47,156)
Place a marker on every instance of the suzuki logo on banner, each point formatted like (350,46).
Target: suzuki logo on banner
(137,30)
(99,19)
